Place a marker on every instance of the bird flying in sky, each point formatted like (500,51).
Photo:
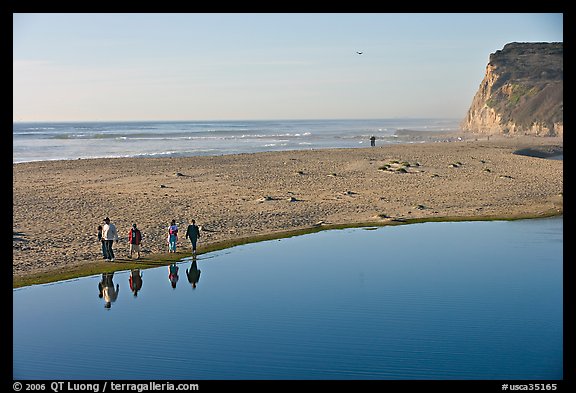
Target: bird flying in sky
(359,53)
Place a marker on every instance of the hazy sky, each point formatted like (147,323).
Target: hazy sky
(70,67)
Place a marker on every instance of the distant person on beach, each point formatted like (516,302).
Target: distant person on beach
(193,273)
(101,240)
(173,274)
(134,238)
(109,292)
(135,281)
(110,235)
(193,232)
(372,140)
(172,236)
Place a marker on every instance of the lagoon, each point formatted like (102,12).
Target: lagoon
(430,301)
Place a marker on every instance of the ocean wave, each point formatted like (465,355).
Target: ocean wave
(225,135)
(74,140)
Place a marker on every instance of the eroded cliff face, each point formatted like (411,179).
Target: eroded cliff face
(521,93)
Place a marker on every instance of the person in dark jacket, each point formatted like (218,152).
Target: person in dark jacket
(193,232)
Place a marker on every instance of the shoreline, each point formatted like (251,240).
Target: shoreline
(164,259)
(242,198)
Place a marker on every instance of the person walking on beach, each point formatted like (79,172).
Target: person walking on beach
(110,235)
(172,236)
(173,274)
(101,240)
(134,238)
(193,232)
(372,140)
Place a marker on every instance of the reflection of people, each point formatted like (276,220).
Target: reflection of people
(173,274)
(135,281)
(107,289)
(101,240)
(172,236)
(134,238)
(109,235)
(193,273)
(193,232)
(372,140)
(101,286)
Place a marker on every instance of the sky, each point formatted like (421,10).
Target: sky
(220,66)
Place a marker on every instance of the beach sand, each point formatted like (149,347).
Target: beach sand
(57,205)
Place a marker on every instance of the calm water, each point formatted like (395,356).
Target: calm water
(444,301)
(55,141)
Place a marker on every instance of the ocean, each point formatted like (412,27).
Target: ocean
(80,140)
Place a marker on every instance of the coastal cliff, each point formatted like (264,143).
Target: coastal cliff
(521,93)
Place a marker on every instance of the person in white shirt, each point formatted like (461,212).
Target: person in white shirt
(109,236)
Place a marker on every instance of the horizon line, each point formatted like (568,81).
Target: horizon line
(231,120)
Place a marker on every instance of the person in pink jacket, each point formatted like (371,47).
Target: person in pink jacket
(172,236)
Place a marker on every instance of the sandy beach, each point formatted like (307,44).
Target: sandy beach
(57,205)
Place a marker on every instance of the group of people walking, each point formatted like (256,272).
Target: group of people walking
(192,233)
(107,235)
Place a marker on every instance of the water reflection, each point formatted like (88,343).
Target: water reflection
(135,281)
(173,274)
(106,289)
(193,273)
(473,300)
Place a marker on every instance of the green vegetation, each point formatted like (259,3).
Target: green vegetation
(517,92)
